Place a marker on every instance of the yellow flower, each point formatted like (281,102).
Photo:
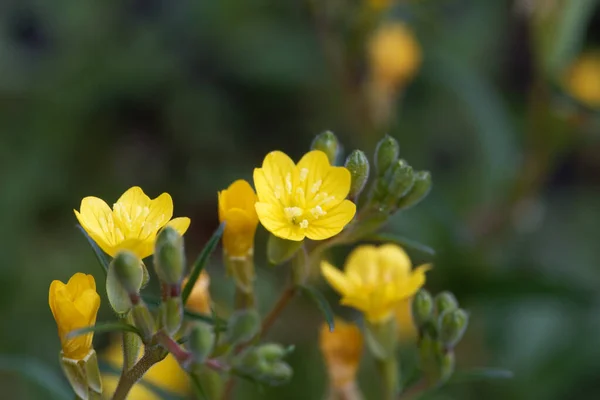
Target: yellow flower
(407,331)
(342,350)
(166,375)
(376,280)
(132,224)
(199,299)
(236,208)
(582,80)
(304,200)
(74,306)
(380,4)
(395,55)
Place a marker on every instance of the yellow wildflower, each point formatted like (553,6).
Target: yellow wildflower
(304,200)
(582,80)
(407,331)
(199,299)
(395,55)
(380,4)
(74,306)
(376,280)
(132,224)
(342,350)
(236,208)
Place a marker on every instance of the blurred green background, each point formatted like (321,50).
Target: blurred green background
(187,96)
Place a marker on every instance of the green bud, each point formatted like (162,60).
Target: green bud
(271,352)
(358,165)
(169,256)
(201,341)
(242,326)
(386,154)
(280,250)
(128,271)
(118,297)
(328,143)
(401,182)
(418,192)
(445,301)
(83,375)
(422,307)
(172,314)
(452,325)
(276,373)
(143,320)
(446,362)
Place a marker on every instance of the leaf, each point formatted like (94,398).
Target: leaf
(321,302)
(479,374)
(201,262)
(104,327)
(402,241)
(101,256)
(39,373)
(198,389)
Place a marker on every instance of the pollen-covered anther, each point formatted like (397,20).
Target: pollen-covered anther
(317,212)
(303,174)
(316,186)
(292,212)
(288,183)
(304,224)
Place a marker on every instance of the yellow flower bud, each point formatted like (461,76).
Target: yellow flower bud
(74,306)
(342,350)
(582,79)
(199,300)
(237,210)
(376,280)
(394,55)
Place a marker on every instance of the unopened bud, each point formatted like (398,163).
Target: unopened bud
(169,256)
(452,325)
(402,181)
(271,352)
(418,192)
(386,154)
(446,362)
(201,341)
(445,301)
(128,271)
(172,314)
(242,326)
(422,307)
(143,320)
(328,143)
(276,373)
(358,165)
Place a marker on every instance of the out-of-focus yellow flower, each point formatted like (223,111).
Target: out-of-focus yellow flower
(236,209)
(199,299)
(74,306)
(132,224)
(166,375)
(380,4)
(394,55)
(582,79)
(304,200)
(407,330)
(376,280)
(342,350)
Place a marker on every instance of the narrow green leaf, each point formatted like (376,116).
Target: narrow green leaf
(321,302)
(198,389)
(101,256)
(402,241)
(37,372)
(479,374)
(201,262)
(115,326)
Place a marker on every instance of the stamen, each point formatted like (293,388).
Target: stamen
(317,212)
(303,174)
(316,186)
(304,224)
(288,183)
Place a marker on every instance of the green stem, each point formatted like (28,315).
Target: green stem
(130,377)
(388,369)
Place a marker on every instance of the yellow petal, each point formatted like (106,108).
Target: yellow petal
(416,280)
(79,283)
(362,263)
(96,218)
(278,172)
(272,218)
(332,223)
(55,287)
(168,375)
(336,278)
(238,237)
(238,195)
(394,259)
(161,210)
(180,224)
(132,198)
(321,177)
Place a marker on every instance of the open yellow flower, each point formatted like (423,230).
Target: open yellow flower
(236,208)
(342,350)
(199,299)
(304,200)
(376,280)
(74,306)
(132,224)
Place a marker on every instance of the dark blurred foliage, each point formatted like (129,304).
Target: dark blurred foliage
(186,96)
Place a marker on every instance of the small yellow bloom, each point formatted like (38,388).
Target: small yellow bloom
(342,350)
(74,306)
(394,55)
(236,209)
(132,224)
(582,80)
(376,280)
(304,200)
(199,299)
(407,331)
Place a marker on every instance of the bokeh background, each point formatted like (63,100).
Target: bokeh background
(187,96)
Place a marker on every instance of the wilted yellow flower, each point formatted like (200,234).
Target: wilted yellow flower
(407,330)
(582,80)
(199,299)
(342,350)
(236,208)
(394,55)
(376,280)
(132,224)
(304,200)
(74,306)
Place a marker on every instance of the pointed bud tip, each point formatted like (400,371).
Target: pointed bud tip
(386,154)
(328,143)
(358,165)
(169,256)
(445,301)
